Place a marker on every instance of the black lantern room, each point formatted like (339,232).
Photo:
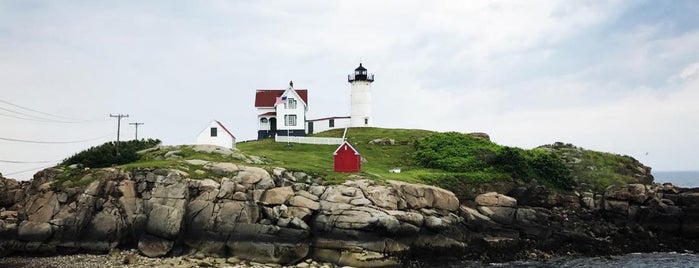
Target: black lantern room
(360,74)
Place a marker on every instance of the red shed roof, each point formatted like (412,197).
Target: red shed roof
(350,146)
(267,97)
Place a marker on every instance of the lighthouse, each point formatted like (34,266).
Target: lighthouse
(360,93)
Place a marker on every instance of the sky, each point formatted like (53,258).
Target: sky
(612,76)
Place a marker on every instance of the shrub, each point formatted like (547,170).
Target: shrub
(476,160)
(455,152)
(550,168)
(105,155)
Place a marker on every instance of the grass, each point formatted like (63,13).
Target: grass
(318,159)
(598,169)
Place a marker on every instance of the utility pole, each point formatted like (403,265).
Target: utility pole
(136,124)
(118,117)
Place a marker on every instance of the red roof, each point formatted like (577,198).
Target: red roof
(267,97)
(224,128)
(267,113)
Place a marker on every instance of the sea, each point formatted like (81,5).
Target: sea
(635,260)
(687,179)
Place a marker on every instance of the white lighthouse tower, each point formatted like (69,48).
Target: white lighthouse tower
(361,97)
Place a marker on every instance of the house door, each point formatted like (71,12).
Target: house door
(273,125)
(310,127)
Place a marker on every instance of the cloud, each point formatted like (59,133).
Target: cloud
(602,74)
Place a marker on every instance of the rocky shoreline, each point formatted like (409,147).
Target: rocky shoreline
(285,218)
(132,259)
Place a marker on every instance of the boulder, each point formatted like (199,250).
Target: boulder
(383,141)
(152,246)
(503,215)
(494,199)
(419,196)
(305,202)
(34,231)
(264,252)
(277,196)
(165,221)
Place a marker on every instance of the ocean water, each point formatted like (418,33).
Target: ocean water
(679,178)
(635,260)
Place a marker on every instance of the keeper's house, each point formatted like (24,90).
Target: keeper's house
(281,112)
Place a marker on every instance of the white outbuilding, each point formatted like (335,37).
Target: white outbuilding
(216,134)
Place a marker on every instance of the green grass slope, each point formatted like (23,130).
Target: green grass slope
(318,159)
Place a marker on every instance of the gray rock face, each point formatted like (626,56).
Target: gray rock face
(265,216)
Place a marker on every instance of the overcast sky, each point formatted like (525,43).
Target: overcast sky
(614,76)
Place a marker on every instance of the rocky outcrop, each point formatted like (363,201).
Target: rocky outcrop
(272,217)
(255,215)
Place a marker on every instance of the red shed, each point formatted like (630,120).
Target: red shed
(347,159)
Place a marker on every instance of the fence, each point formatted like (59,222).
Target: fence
(309,140)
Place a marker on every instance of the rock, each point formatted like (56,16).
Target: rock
(631,192)
(205,148)
(173,154)
(383,141)
(495,199)
(208,185)
(383,196)
(152,246)
(305,202)
(196,162)
(282,253)
(34,231)
(479,135)
(419,196)
(222,168)
(503,215)
(165,221)
(277,196)
(306,194)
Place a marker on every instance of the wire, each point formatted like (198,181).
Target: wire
(33,162)
(54,142)
(43,119)
(17,172)
(36,111)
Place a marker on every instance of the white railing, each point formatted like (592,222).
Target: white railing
(309,140)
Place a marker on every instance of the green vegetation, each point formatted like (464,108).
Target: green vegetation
(318,159)
(597,170)
(105,155)
(475,159)
(451,160)
(442,159)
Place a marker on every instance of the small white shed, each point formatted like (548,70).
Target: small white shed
(216,134)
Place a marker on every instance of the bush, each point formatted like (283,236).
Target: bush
(550,168)
(513,161)
(476,160)
(455,152)
(105,155)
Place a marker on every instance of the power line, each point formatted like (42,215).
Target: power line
(42,119)
(32,162)
(53,142)
(36,111)
(27,170)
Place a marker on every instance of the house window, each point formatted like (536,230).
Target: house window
(366,121)
(331,123)
(290,119)
(214,132)
(264,120)
(291,103)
